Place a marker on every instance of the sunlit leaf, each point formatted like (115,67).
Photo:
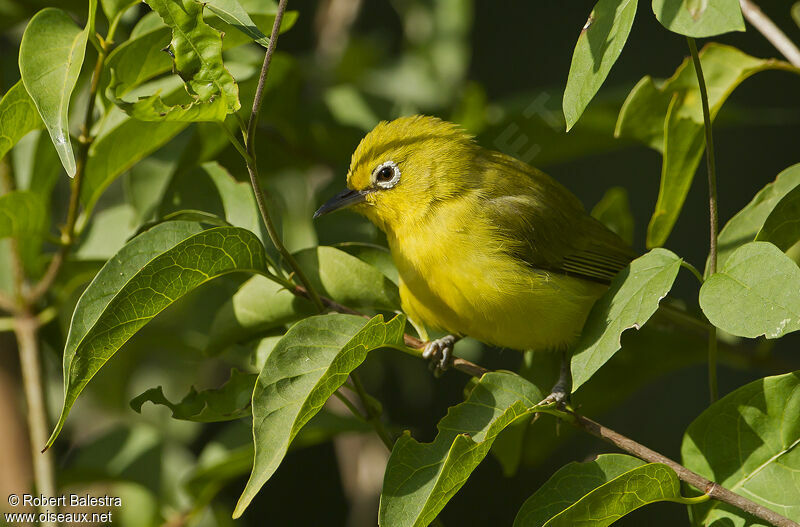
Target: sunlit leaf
(421,478)
(50,59)
(232,12)
(599,45)
(630,301)
(749,442)
(229,401)
(599,492)
(18,116)
(754,293)
(667,116)
(310,362)
(699,19)
(150,272)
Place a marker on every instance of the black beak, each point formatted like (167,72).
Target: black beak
(343,199)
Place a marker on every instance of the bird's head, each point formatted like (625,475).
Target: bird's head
(401,168)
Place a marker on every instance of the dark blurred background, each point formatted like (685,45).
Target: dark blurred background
(499,68)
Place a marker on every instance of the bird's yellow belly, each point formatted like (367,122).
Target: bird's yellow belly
(492,297)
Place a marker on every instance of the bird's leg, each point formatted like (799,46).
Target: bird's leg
(563,387)
(440,353)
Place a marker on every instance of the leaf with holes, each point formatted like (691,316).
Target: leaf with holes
(311,361)
(147,275)
(749,442)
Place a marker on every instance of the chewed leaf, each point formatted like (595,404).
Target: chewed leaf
(50,58)
(749,442)
(228,402)
(422,477)
(311,361)
(148,274)
(630,301)
(600,492)
(755,293)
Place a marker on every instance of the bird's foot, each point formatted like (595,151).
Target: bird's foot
(563,387)
(440,354)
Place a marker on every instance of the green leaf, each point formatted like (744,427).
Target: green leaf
(755,293)
(630,301)
(599,45)
(614,211)
(112,8)
(749,442)
(746,224)
(232,12)
(600,492)
(310,362)
(421,478)
(18,116)
(22,213)
(699,18)
(782,227)
(50,59)
(228,402)
(261,305)
(148,274)
(796,13)
(667,115)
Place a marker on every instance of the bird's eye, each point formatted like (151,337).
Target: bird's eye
(386,175)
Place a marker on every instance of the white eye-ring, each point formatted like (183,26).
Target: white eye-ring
(386,175)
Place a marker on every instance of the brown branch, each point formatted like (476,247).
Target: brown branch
(706,486)
(767,27)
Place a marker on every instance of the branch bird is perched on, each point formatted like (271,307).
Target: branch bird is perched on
(486,245)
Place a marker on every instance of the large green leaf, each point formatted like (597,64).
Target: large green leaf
(599,45)
(422,477)
(600,492)
(18,116)
(261,305)
(310,362)
(754,293)
(699,18)
(147,275)
(22,213)
(749,442)
(112,8)
(746,224)
(229,401)
(232,12)
(782,226)
(50,59)
(667,116)
(630,301)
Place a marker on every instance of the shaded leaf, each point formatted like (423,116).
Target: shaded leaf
(782,227)
(421,478)
(754,293)
(18,116)
(50,58)
(599,45)
(148,274)
(705,18)
(232,12)
(310,362)
(746,224)
(749,442)
(630,301)
(796,13)
(22,213)
(614,211)
(599,492)
(667,116)
(229,401)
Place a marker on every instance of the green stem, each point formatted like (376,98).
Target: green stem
(692,269)
(252,164)
(350,406)
(712,211)
(373,417)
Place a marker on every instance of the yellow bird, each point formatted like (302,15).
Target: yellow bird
(486,246)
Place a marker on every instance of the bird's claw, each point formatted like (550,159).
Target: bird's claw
(560,395)
(440,354)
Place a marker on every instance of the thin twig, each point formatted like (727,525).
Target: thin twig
(767,27)
(704,485)
(25,328)
(252,165)
(712,211)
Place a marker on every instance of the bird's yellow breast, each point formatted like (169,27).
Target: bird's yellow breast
(457,276)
